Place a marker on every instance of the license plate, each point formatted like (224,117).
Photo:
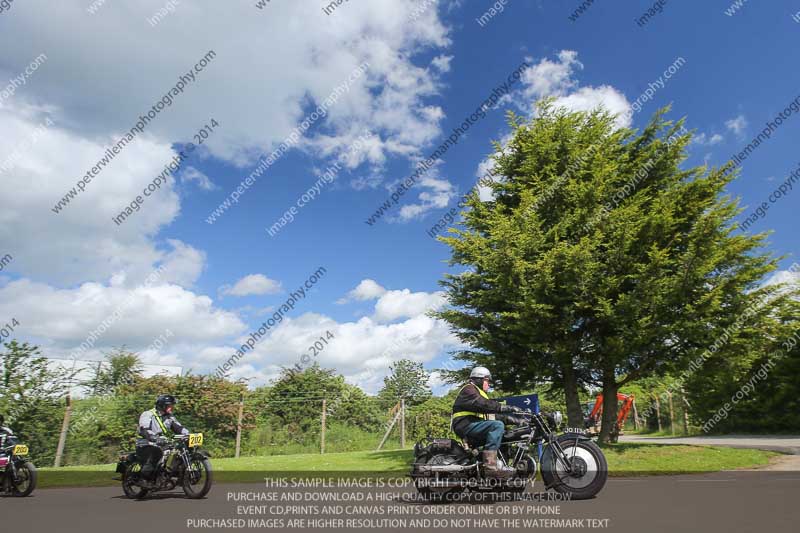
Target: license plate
(195,439)
(20,449)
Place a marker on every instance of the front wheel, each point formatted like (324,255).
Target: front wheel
(589,470)
(197,478)
(26,480)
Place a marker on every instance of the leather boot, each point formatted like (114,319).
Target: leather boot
(494,468)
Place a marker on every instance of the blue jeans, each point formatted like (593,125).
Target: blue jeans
(488,433)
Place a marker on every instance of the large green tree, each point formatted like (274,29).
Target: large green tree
(121,367)
(407,379)
(600,259)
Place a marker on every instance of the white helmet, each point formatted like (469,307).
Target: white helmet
(480,372)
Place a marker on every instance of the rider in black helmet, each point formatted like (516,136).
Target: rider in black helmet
(153,426)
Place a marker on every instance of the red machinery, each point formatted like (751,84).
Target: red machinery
(595,416)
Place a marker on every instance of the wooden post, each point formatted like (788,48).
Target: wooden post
(685,413)
(671,414)
(402,423)
(658,412)
(389,430)
(239,425)
(322,439)
(62,439)
(635,416)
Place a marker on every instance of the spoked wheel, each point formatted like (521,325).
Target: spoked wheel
(197,478)
(130,482)
(588,474)
(26,480)
(436,487)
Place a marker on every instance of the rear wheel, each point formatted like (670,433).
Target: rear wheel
(130,482)
(437,487)
(26,480)
(588,474)
(197,478)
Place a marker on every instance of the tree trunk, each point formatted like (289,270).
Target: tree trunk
(608,431)
(574,411)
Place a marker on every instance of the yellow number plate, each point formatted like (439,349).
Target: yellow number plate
(195,439)
(20,449)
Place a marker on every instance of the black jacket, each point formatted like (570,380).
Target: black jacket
(469,399)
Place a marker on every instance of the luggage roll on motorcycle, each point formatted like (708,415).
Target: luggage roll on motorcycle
(571,464)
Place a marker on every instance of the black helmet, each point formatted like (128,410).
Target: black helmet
(165,400)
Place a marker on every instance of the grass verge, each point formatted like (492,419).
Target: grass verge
(624,459)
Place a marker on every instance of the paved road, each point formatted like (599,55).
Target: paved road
(778,443)
(724,501)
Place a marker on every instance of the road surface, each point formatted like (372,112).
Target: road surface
(725,501)
(780,443)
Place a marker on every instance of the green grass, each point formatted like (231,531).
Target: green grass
(624,459)
(635,459)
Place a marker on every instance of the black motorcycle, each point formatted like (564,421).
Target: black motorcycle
(184,464)
(570,464)
(17,474)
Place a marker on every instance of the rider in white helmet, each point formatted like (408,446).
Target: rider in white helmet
(471,423)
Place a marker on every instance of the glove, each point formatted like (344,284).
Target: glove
(162,441)
(507,409)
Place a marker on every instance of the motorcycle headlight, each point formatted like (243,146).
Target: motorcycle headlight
(558,418)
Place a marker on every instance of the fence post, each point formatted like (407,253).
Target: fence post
(62,438)
(403,423)
(239,425)
(322,440)
(671,414)
(685,414)
(658,411)
(388,430)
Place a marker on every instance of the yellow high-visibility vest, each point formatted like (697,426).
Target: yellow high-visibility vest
(470,413)
(160,422)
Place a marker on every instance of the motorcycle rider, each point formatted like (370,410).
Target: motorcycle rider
(153,426)
(5,432)
(471,423)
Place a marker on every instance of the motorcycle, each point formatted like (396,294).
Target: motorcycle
(17,474)
(184,464)
(570,464)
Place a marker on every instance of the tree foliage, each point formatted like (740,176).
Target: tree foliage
(599,260)
(407,379)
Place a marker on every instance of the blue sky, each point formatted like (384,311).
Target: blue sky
(272,68)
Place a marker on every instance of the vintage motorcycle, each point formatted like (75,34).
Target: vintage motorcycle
(184,464)
(17,474)
(570,464)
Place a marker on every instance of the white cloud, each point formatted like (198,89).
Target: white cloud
(253,284)
(362,351)
(557,79)
(192,174)
(300,67)
(405,304)
(791,276)
(706,140)
(368,289)
(442,63)
(737,125)
(82,241)
(435,193)
(65,317)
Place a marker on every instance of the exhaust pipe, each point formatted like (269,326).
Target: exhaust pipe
(445,468)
